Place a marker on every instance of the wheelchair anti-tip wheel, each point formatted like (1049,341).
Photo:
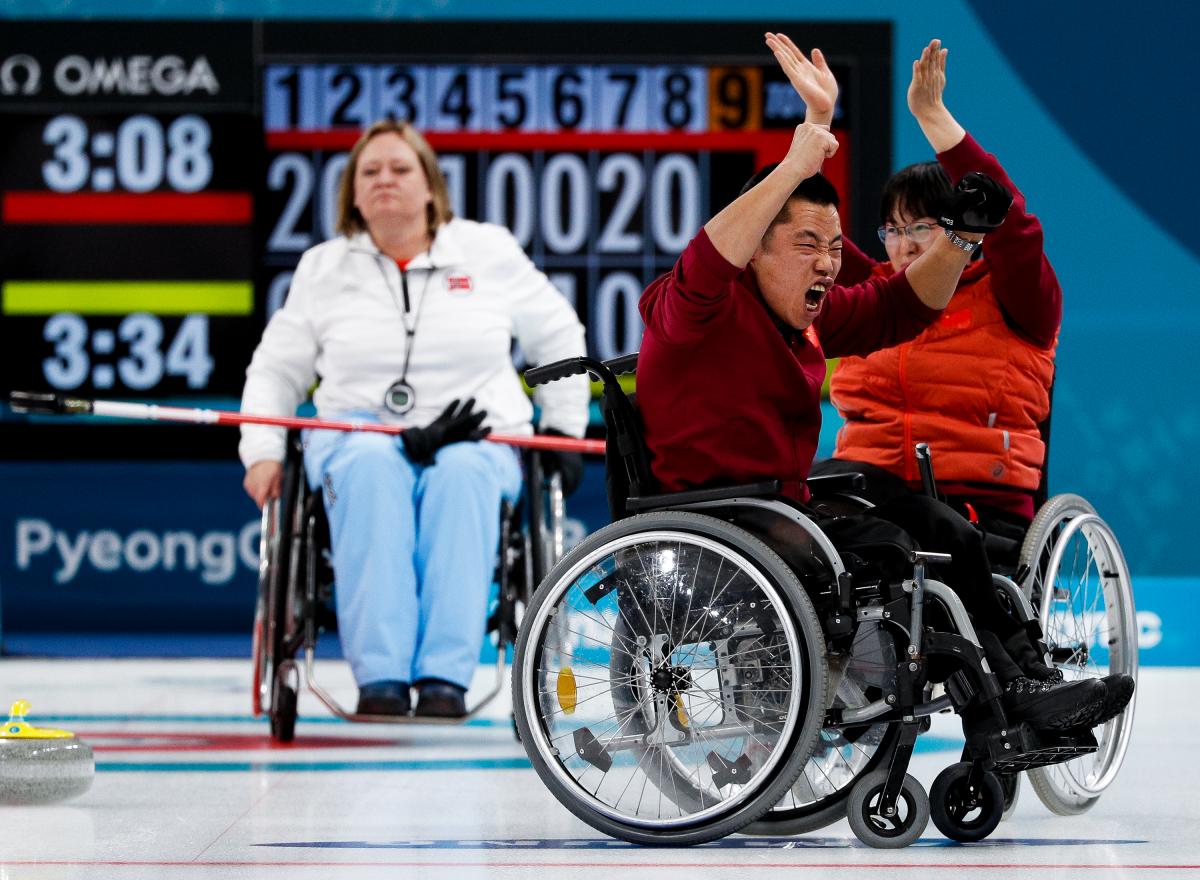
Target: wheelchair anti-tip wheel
(880,831)
(1079,583)
(669,679)
(964,810)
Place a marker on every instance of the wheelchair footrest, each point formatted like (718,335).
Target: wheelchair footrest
(1046,750)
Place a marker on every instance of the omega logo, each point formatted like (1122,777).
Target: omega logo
(134,75)
(20,75)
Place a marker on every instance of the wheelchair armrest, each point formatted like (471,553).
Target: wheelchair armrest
(837,483)
(695,496)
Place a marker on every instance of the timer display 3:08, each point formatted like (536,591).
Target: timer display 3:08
(145,153)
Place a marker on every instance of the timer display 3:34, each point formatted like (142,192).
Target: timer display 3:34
(137,352)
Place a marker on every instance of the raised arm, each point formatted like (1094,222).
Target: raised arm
(1022,279)
(737,231)
(816,85)
(925,102)
(812,79)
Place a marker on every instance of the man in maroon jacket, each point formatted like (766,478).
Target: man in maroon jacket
(733,358)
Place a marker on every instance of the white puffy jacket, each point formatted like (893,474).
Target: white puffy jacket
(470,295)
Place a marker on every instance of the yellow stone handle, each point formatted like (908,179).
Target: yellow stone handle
(18,728)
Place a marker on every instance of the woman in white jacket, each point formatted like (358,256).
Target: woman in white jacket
(409,317)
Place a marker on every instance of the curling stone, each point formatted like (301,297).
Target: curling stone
(40,765)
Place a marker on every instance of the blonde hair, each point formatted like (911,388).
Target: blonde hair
(350,220)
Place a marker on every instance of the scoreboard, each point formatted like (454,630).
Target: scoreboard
(160,181)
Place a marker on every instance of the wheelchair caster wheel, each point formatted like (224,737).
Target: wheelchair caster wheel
(887,832)
(1010,784)
(964,812)
(283,713)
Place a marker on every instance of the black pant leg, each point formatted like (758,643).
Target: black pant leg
(939,529)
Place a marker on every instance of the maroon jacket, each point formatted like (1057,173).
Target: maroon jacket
(729,396)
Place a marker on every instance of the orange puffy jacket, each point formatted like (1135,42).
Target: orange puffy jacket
(968,386)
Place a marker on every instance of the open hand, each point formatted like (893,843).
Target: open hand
(812,80)
(928,81)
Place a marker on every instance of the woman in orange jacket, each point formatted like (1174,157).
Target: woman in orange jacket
(976,384)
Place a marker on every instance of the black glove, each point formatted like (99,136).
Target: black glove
(455,424)
(979,204)
(569,465)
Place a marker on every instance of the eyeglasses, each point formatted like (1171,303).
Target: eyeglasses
(918,232)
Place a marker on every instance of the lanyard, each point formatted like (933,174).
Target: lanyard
(410,330)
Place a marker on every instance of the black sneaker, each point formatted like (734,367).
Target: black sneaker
(384,698)
(1054,707)
(440,699)
(1118,691)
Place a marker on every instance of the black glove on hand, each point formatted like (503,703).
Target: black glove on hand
(567,464)
(455,424)
(979,204)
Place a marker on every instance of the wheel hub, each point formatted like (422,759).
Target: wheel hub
(671,679)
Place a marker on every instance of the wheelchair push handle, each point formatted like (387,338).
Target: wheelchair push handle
(604,371)
(624,364)
(925,466)
(559,370)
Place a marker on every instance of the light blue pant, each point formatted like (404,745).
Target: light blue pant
(414,550)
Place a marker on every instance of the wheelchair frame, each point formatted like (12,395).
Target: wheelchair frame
(886,806)
(294,596)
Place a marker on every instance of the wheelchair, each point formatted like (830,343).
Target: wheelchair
(1071,588)
(709,663)
(296,583)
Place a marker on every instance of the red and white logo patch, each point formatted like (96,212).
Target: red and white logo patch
(459,282)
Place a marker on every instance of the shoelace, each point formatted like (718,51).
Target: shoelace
(1025,685)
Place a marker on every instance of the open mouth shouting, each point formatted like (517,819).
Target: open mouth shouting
(816,295)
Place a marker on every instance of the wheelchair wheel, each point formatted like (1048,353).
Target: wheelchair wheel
(1038,545)
(964,812)
(887,832)
(274,614)
(1080,585)
(262,647)
(283,712)
(842,755)
(669,679)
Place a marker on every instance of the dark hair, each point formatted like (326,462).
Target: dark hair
(920,190)
(816,189)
